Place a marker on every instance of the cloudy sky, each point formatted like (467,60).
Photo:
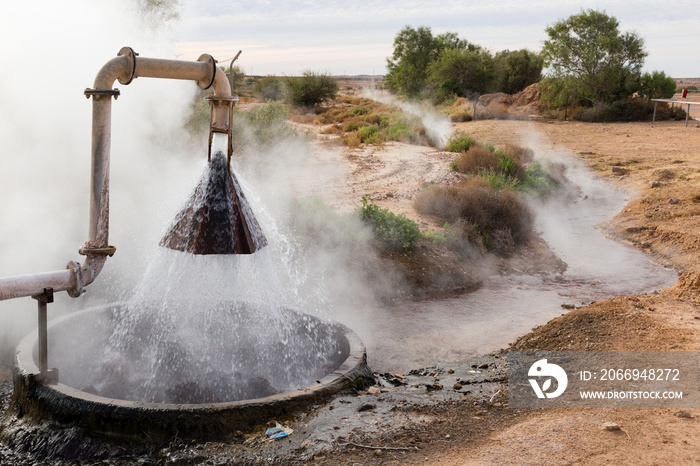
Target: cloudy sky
(350,37)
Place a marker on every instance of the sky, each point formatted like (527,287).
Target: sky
(350,37)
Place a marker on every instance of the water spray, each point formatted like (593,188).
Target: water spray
(325,357)
(241,233)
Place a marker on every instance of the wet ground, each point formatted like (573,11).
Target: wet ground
(395,405)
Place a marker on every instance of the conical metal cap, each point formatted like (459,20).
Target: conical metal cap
(217,218)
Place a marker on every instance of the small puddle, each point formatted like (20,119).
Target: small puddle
(417,334)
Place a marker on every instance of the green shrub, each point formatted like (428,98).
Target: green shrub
(357,111)
(311,89)
(401,132)
(460,144)
(657,85)
(623,110)
(369,134)
(354,125)
(500,180)
(394,232)
(539,181)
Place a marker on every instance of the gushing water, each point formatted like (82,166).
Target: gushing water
(217,219)
(210,326)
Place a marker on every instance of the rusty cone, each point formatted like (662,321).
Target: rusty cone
(217,218)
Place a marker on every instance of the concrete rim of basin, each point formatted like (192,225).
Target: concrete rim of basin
(121,419)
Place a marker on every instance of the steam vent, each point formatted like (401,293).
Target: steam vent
(217,219)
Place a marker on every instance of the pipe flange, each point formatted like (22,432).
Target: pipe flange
(109,92)
(130,55)
(90,251)
(223,98)
(77,270)
(205,57)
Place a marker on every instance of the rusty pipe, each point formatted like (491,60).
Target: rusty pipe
(125,67)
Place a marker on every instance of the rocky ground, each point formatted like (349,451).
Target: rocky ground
(458,413)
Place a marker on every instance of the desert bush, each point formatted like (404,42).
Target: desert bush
(369,134)
(352,140)
(269,88)
(498,166)
(462,114)
(475,160)
(359,111)
(460,144)
(540,182)
(260,127)
(394,232)
(623,110)
(520,154)
(401,132)
(500,180)
(333,129)
(476,202)
(354,124)
(311,89)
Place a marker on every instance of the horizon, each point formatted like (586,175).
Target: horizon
(355,39)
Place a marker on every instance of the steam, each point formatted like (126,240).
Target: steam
(56,49)
(439,126)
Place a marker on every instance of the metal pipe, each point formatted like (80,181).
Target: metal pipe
(126,67)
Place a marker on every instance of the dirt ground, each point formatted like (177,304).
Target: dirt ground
(658,164)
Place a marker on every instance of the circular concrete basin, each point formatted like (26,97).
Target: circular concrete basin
(74,400)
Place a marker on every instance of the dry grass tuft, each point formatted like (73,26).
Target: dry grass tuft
(476,160)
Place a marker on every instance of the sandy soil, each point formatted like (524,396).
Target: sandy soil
(662,218)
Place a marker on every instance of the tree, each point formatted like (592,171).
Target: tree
(588,49)
(461,72)
(311,89)
(657,85)
(517,69)
(414,50)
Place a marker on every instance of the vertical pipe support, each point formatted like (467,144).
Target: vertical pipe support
(46,375)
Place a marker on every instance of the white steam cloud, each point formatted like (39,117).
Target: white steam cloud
(439,126)
(52,52)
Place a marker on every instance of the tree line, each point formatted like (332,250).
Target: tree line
(588,61)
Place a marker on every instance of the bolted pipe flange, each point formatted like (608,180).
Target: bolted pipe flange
(205,57)
(77,270)
(130,55)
